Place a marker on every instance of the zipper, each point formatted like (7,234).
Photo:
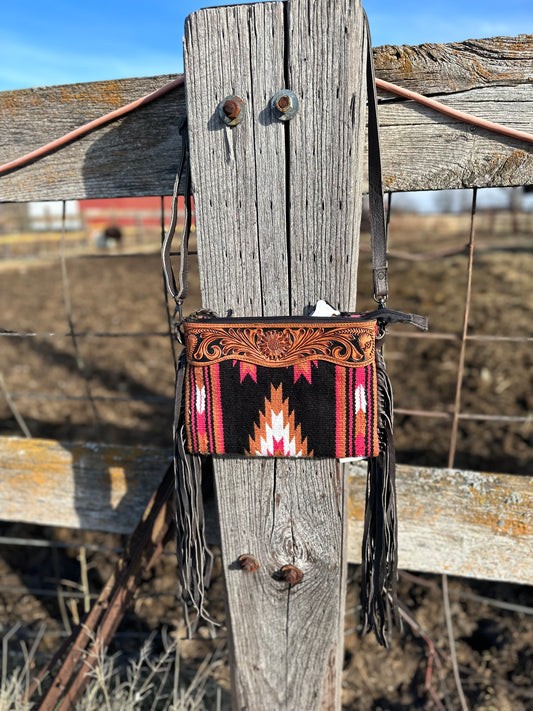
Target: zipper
(383,315)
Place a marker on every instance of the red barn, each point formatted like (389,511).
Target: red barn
(128,214)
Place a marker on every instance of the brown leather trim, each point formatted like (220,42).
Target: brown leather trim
(279,344)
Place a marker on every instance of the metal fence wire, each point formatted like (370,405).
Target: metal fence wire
(96,389)
(463,336)
(453,413)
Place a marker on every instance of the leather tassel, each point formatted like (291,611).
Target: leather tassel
(380,538)
(195,560)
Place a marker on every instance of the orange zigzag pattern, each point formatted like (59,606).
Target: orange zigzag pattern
(276,435)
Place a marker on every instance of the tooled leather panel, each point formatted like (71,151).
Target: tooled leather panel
(280,344)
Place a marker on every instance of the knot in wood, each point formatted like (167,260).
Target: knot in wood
(291,574)
(248,563)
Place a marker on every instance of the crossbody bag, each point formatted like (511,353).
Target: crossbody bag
(289,386)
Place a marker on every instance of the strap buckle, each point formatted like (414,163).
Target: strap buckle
(381,301)
(177,320)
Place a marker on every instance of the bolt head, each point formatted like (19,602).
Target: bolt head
(291,574)
(231,110)
(248,563)
(285,104)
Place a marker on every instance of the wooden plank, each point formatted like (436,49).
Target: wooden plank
(91,486)
(281,512)
(473,524)
(239,50)
(325,68)
(138,155)
(467,523)
(439,153)
(326,152)
(432,68)
(239,190)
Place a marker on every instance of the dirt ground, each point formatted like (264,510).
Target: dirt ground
(46,376)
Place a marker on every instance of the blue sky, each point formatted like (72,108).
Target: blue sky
(63,42)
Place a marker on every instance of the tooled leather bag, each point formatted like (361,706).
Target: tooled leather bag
(292,386)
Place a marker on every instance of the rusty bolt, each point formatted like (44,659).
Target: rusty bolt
(284,103)
(291,574)
(231,110)
(248,563)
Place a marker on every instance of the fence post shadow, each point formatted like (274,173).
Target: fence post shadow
(113,484)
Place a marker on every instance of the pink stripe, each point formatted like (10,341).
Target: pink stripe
(200,423)
(208,409)
(218,424)
(371,405)
(340,412)
(360,445)
(192,410)
(373,428)
(350,445)
(361,419)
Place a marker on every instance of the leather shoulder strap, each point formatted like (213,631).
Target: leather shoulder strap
(180,294)
(378,229)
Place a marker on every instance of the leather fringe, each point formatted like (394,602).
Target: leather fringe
(195,560)
(380,539)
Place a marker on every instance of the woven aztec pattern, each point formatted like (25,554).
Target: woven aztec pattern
(278,391)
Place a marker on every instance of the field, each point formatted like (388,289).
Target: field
(51,381)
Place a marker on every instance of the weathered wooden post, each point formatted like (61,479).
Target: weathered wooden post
(277,213)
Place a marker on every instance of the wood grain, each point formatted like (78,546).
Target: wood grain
(236,50)
(135,155)
(90,486)
(422,150)
(325,68)
(286,641)
(432,68)
(440,153)
(473,524)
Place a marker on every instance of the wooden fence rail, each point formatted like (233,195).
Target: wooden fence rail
(280,203)
(447,516)
(138,155)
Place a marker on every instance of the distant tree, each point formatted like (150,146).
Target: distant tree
(445,201)
(515,207)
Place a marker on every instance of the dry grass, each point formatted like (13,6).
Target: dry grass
(149,682)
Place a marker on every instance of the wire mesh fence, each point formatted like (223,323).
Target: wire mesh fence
(87,322)
(88,352)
